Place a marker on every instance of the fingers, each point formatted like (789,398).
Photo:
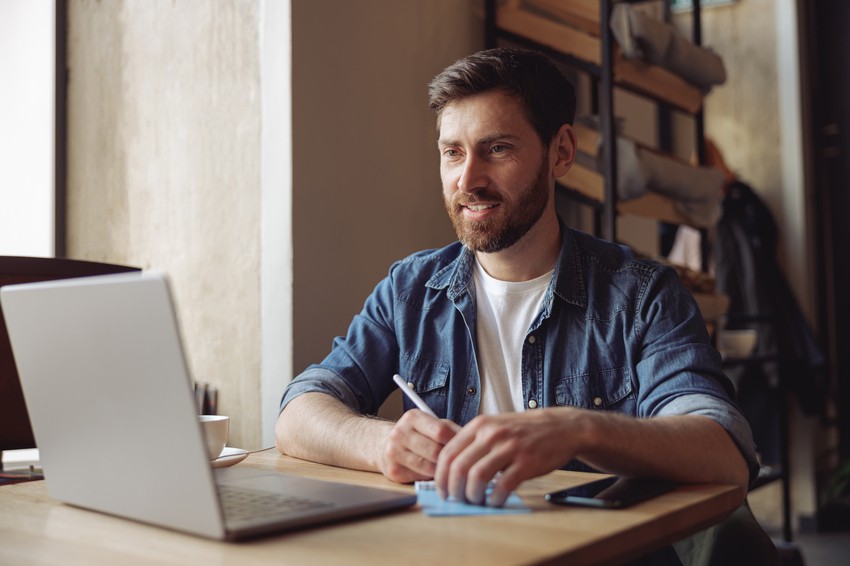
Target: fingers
(413,446)
(489,480)
(440,431)
(508,448)
(469,461)
(505,483)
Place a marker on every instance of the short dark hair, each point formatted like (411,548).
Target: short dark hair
(547,96)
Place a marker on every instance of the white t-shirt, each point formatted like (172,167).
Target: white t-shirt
(505,310)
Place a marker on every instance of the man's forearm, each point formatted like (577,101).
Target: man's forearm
(687,448)
(319,428)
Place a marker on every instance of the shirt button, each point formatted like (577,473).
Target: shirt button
(470,390)
(411,385)
(597,401)
(532,339)
(532,404)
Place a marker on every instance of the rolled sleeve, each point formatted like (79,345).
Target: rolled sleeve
(680,372)
(319,380)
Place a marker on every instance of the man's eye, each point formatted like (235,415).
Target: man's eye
(498,148)
(450,153)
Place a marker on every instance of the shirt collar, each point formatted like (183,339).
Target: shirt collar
(567,282)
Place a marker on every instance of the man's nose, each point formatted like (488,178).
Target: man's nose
(473,176)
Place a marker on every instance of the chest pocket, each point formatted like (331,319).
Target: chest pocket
(430,380)
(609,389)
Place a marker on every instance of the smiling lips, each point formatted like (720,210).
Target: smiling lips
(477,211)
(478,207)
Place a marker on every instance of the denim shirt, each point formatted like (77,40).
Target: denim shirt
(614,333)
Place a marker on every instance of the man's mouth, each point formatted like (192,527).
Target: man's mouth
(478,207)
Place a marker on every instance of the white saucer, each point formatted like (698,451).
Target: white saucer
(228,457)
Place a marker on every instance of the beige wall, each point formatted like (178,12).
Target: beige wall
(163,170)
(366,188)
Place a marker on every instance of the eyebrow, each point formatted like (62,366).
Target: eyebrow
(482,141)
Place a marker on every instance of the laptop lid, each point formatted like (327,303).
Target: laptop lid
(110,399)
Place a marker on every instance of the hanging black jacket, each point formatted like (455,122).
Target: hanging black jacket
(746,270)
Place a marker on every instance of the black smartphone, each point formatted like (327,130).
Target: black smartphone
(611,492)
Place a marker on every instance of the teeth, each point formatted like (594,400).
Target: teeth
(479,207)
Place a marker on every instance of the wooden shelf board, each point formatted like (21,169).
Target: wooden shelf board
(591,184)
(649,80)
(583,14)
(652,205)
(555,35)
(657,83)
(585,181)
(587,140)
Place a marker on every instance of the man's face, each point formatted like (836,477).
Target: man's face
(495,171)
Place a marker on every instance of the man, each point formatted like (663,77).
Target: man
(538,346)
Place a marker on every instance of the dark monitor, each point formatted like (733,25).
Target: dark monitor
(15,429)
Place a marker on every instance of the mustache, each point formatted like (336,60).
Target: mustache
(483,195)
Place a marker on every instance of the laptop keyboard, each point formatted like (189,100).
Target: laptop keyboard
(245,504)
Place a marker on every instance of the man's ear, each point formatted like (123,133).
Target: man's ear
(563,150)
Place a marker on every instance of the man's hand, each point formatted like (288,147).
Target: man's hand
(413,446)
(682,448)
(520,445)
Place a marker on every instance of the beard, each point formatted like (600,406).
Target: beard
(516,217)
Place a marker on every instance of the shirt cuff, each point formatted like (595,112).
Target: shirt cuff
(319,380)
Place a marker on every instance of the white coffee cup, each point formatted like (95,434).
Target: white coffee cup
(216,428)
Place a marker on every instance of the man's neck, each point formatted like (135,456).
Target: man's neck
(532,256)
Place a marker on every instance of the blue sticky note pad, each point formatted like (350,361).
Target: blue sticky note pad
(433,506)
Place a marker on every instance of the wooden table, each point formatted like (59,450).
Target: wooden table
(35,529)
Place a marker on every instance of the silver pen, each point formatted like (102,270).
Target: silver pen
(413,396)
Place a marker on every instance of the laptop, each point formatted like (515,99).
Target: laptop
(110,399)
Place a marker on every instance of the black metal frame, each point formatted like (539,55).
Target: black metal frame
(60,141)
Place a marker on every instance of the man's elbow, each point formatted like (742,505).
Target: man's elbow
(284,430)
(280,434)
(733,468)
(741,474)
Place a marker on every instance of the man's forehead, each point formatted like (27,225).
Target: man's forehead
(485,116)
